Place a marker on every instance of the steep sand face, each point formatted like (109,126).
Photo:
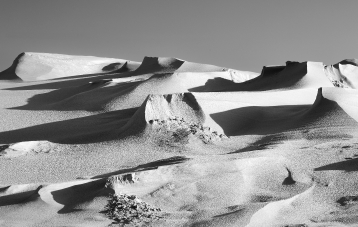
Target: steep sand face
(208,145)
(163,108)
(9,74)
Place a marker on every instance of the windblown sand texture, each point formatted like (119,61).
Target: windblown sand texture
(208,145)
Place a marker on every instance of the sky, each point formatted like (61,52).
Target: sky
(239,34)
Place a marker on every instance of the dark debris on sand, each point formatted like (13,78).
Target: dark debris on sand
(176,131)
(129,210)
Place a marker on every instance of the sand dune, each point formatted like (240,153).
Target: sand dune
(209,145)
(170,65)
(321,205)
(323,113)
(127,92)
(42,66)
(344,73)
(23,148)
(294,75)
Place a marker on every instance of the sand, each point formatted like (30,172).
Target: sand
(208,145)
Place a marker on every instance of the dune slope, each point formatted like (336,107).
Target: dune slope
(42,66)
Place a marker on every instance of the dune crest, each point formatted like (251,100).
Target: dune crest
(43,66)
(158,65)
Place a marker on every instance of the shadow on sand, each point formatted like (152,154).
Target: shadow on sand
(91,129)
(271,78)
(148,166)
(348,166)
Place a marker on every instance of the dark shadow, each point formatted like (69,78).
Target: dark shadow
(152,65)
(348,166)
(148,166)
(259,120)
(214,85)
(229,213)
(126,68)
(263,120)
(4,147)
(100,95)
(2,189)
(118,73)
(267,142)
(82,76)
(191,101)
(122,69)
(21,197)
(77,195)
(276,77)
(9,73)
(69,98)
(353,62)
(90,129)
(112,67)
(65,82)
(347,200)
(66,88)
(288,180)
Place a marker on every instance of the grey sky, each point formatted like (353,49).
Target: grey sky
(243,35)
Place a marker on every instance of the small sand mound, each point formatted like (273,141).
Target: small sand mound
(28,147)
